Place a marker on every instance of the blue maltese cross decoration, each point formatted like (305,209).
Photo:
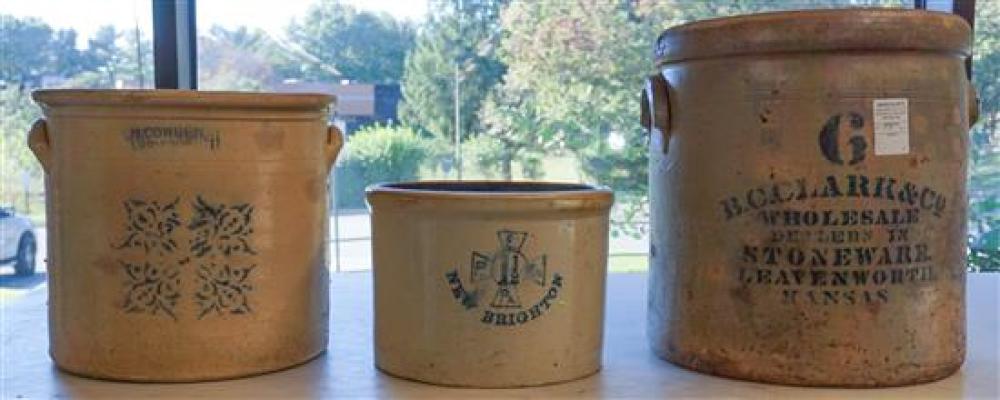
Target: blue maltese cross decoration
(507,267)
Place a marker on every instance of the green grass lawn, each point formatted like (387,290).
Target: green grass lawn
(628,263)
(7,295)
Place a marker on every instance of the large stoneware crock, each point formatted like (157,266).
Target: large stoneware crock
(807,192)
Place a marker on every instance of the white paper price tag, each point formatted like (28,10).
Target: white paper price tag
(892,126)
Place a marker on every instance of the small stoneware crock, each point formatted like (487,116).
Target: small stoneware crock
(489,284)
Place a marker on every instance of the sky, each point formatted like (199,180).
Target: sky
(86,16)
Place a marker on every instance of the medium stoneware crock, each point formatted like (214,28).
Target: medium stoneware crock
(186,230)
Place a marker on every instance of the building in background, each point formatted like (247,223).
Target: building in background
(358,104)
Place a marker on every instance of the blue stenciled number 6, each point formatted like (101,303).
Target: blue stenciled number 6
(829,139)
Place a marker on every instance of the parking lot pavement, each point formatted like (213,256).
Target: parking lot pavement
(13,286)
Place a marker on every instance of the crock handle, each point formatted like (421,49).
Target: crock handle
(655,115)
(334,141)
(38,142)
(973,102)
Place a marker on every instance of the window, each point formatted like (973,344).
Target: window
(415,80)
(58,44)
(984,160)
(437,89)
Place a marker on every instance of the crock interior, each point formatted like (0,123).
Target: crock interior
(490,187)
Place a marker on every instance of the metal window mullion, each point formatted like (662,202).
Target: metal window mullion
(967,10)
(174,44)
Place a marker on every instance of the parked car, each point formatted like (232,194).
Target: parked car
(17,242)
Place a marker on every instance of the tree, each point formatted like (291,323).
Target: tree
(575,72)
(238,59)
(515,132)
(986,70)
(336,41)
(17,112)
(103,57)
(673,12)
(115,58)
(33,55)
(984,154)
(32,50)
(577,67)
(377,154)
(457,45)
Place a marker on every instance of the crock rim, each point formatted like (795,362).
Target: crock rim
(181,98)
(446,190)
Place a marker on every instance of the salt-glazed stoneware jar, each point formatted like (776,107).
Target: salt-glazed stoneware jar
(186,231)
(807,196)
(489,284)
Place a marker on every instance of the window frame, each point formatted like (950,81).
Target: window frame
(175,44)
(175,40)
(175,55)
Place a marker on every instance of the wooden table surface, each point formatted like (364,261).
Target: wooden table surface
(346,370)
